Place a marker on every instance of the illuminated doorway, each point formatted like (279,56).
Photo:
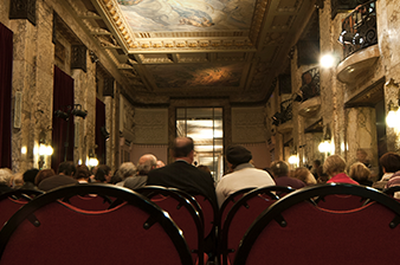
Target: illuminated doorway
(205,127)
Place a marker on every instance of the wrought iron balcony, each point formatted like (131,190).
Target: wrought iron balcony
(359,29)
(310,85)
(285,114)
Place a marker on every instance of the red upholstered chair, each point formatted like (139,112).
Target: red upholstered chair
(49,231)
(89,201)
(228,203)
(340,201)
(180,208)
(295,230)
(242,215)
(12,201)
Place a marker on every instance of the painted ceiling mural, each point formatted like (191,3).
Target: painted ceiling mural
(189,76)
(187,15)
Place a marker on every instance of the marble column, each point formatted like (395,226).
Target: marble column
(33,84)
(361,134)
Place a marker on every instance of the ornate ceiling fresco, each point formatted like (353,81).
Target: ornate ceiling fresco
(196,48)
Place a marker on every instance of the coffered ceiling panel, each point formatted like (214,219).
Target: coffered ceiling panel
(196,48)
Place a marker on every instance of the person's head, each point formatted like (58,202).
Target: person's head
(334,165)
(145,164)
(17,181)
(82,173)
(304,175)
(236,155)
(67,168)
(30,175)
(5,176)
(361,155)
(204,168)
(279,169)
(183,148)
(316,164)
(390,162)
(103,174)
(359,172)
(126,170)
(44,174)
(160,164)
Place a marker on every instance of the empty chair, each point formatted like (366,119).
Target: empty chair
(241,216)
(183,213)
(50,231)
(12,201)
(89,201)
(295,230)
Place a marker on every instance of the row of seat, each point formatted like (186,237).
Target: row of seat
(88,224)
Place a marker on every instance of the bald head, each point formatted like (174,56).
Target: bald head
(183,148)
(146,163)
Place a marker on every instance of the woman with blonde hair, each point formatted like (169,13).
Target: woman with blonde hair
(360,173)
(305,175)
(335,167)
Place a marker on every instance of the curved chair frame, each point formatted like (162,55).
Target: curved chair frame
(130,197)
(242,202)
(304,194)
(186,201)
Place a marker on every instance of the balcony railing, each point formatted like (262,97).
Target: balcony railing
(310,84)
(285,114)
(359,29)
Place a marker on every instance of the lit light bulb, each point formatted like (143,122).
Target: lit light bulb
(293,159)
(324,147)
(392,118)
(93,162)
(327,61)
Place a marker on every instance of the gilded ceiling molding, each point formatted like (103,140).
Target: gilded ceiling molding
(116,18)
(259,13)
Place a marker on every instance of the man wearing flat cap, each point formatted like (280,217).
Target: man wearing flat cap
(244,174)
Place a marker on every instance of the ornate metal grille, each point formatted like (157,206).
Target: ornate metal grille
(359,29)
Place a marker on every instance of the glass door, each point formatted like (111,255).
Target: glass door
(205,127)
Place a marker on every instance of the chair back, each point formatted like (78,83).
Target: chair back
(242,215)
(295,230)
(12,201)
(210,212)
(228,203)
(183,213)
(50,231)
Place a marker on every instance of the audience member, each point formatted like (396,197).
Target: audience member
(394,181)
(244,174)
(322,176)
(360,173)
(160,164)
(145,164)
(5,177)
(205,169)
(43,174)
(390,163)
(280,171)
(29,179)
(66,170)
(303,174)
(126,170)
(361,156)
(182,174)
(17,181)
(335,167)
(82,174)
(315,165)
(103,174)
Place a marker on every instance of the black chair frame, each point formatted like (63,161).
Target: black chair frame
(307,194)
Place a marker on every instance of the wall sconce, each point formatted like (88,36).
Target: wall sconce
(105,134)
(325,145)
(43,150)
(92,161)
(393,116)
(294,159)
(392,119)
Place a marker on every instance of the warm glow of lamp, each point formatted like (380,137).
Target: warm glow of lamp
(324,147)
(24,150)
(93,162)
(392,119)
(327,61)
(293,159)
